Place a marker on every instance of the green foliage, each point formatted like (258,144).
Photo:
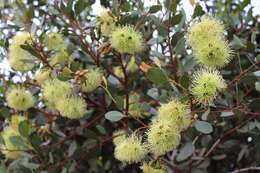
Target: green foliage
(114,116)
(157,76)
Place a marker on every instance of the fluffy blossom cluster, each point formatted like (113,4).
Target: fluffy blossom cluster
(10,149)
(207,41)
(164,132)
(20,59)
(59,96)
(210,49)
(55,41)
(106,22)
(55,90)
(72,107)
(130,150)
(177,112)
(42,75)
(93,79)
(163,136)
(206,84)
(19,98)
(126,40)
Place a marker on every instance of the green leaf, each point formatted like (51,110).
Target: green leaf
(30,12)
(101,129)
(114,116)
(90,143)
(258,58)
(157,76)
(176,37)
(80,6)
(69,7)
(35,140)
(226,114)
(24,128)
(257,86)
(185,152)
(72,148)
(17,141)
(125,7)
(155,8)
(180,47)
(248,127)
(205,115)
(254,105)
(2,43)
(203,127)
(257,124)
(198,11)
(171,4)
(4,112)
(237,43)
(176,19)
(185,81)
(2,169)
(244,4)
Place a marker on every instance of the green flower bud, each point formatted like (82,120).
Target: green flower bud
(93,80)
(55,41)
(20,59)
(126,40)
(208,44)
(163,136)
(42,75)
(206,30)
(55,90)
(119,136)
(206,84)
(177,112)
(106,22)
(215,53)
(72,107)
(130,150)
(19,98)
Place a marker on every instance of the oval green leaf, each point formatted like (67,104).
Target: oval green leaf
(114,116)
(203,127)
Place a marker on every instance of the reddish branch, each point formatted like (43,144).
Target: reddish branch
(125,84)
(77,26)
(228,133)
(237,78)
(173,58)
(100,144)
(38,49)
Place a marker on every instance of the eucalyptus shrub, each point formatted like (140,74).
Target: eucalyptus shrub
(139,87)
